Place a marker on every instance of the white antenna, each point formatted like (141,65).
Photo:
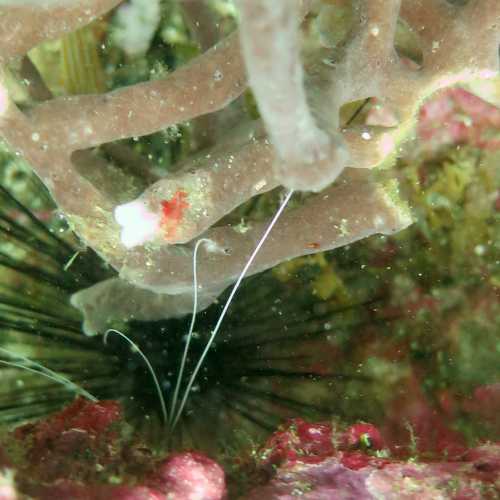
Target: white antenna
(228,303)
(191,326)
(150,368)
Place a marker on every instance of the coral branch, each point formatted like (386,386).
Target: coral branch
(477,21)
(215,183)
(87,209)
(351,210)
(206,31)
(311,159)
(26,23)
(116,300)
(429,18)
(371,60)
(206,84)
(300,106)
(211,186)
(443,27)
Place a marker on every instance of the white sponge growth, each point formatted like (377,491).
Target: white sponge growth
(139,224)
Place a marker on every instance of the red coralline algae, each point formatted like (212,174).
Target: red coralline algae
(314,460)
(298,440)
(338,472)
(365,436)
(71,442)
(311,443)
(93,418)
(80,454)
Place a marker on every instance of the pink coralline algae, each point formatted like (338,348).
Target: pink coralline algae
(189,476)
(456,116)
(80,454)
(357,464)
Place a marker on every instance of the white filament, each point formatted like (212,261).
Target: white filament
(228,303)
(150,368)
(191,326)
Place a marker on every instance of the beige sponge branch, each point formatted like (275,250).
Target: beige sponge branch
(301,86)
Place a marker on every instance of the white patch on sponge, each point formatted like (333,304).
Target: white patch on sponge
(139,224)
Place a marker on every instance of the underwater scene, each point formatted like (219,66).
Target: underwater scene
(249,249)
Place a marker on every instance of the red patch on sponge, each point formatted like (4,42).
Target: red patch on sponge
(173,211)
